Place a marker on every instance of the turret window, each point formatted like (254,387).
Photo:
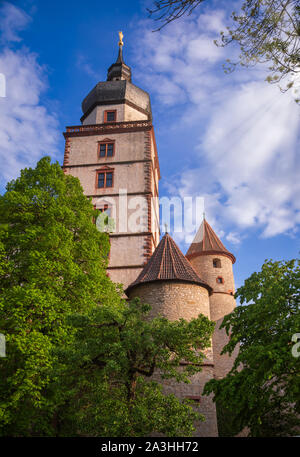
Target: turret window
(220,280)
(110,115)
(106,149)
(216,263)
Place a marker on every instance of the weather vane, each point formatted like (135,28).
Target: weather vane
(121,38)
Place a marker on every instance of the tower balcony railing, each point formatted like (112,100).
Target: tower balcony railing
(108,126)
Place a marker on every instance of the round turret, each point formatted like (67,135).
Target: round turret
(213,262)
(173,289)
(171,284)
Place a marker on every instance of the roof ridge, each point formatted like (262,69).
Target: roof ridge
(185,265)
(219,242)
(208,234)
(163,252)
(174,263)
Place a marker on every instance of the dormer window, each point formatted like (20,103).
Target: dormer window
(216,263)
(110,115)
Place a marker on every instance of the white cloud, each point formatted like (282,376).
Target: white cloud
(233,238)
(246,131)
(27,130)
(253,155)
(85,66)
(13,20)
(203,49)
(212,22)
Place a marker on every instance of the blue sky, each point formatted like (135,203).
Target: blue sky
(230,138)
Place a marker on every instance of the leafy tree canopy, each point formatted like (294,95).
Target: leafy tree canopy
(52,262)
(111,380)
(79,358)
(262,391)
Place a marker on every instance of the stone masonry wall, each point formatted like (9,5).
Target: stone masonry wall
(222,302)
(134,165)
(175,300)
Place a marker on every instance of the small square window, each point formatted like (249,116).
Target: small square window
(106,209)
(106,149)
(216,263)
(110,116)
(105,179)
(220,280)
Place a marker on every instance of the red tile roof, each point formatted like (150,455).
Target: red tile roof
(168,263)
(207,242)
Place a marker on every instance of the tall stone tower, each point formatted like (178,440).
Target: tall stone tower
(171,286)
(113,153)
(213,262)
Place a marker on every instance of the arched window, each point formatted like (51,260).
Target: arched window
(217,263)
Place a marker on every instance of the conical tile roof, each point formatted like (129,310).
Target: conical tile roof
(168,263)
(207,242)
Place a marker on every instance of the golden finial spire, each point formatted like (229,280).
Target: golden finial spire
(121,38)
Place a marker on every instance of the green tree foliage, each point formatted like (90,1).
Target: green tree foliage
(52,262)
(262,391)
(267,31)
(169,10)
(79,358)
(108,386)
